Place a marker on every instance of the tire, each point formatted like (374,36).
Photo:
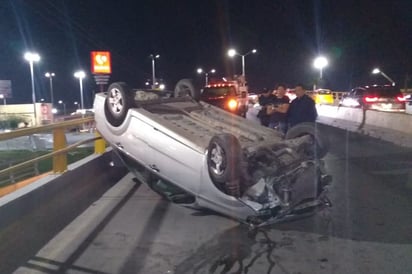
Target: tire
(321,143)
(118,101)
(223,161)
(186,87)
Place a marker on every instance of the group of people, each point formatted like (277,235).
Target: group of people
(278,112)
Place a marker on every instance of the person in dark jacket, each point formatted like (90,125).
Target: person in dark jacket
(265,99)
(302,108)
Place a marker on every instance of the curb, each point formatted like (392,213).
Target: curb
(11,188)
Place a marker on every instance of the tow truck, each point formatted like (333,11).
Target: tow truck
(230,95)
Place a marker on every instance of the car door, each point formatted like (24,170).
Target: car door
(174,160)
(135,141)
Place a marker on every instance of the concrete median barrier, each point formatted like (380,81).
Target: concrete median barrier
(390,126)
(33,214)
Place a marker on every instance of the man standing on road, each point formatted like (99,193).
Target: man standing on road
(279,109)
(265,99)
(302,108)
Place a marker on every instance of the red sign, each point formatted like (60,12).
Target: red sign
(101,63)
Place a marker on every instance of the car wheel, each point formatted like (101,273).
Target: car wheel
(186,87)
(118,101)
(223,161)
(320,145)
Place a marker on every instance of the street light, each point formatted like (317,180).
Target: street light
(200,71)
(50,75)
(377,70)
(32,57)
(80,74)
(64,106)
(76,104)
(233,52)
(157,56)
(319,63)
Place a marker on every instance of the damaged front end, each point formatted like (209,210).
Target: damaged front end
(283,182)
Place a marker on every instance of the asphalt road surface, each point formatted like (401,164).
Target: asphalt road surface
(130,229)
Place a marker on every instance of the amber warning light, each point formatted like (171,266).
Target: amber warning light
(101,62)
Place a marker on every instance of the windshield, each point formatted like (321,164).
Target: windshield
(218,91)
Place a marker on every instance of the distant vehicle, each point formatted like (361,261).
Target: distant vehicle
(323,97)
(383,98)
(228,95)
(201,156)
(291,94)
(80,112)
(408,103)
(253,98)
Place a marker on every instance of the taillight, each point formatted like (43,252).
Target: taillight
(370,99)
(401,98)
(232,104)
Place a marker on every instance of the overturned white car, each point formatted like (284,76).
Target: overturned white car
(204,157)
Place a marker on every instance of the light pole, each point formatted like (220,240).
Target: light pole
(50,75)
(377,70)
(80,75)
(233,52)
(157,56)
(319,63)
(64,106)
(32,57)
(200,71)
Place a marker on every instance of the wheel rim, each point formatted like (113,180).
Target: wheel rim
(116,101)
(218,164)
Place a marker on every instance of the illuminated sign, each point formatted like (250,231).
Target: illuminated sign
(101,63)
(5,88)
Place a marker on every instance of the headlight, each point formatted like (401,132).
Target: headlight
(232,104)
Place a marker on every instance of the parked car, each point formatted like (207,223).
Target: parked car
(323,97)
(384,98)
(408,103)
(291,94)
(198,155)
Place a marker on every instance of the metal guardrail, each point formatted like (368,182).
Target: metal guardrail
(45,128)
(60,147)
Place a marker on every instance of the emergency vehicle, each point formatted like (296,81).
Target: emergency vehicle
(230,95)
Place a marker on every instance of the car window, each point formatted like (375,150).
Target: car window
(358,92)
(384,91)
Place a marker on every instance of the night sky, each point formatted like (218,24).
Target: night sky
(355,35)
